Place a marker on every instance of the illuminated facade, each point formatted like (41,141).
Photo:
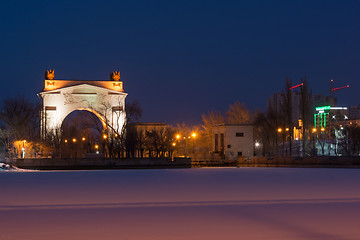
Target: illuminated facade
(106,99)
(233,140)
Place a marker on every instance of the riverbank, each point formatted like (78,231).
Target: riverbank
(98,163)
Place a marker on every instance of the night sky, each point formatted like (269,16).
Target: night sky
(180,59)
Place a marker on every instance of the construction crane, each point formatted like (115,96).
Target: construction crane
(293,87)
(332,89)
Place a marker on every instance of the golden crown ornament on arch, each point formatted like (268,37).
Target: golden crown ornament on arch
(49,74)
(115,75)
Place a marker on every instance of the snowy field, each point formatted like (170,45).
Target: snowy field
(181,204)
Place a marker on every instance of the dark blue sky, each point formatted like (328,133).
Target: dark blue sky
(180,59)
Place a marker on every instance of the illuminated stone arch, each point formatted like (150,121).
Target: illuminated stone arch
(106,99)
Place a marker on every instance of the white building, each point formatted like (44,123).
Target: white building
(106,99)
(233,140)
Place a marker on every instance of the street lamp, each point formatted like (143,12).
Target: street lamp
(314,130)
(280,131)
(23,148)
(193,136)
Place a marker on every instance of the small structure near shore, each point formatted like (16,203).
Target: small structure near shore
(231,141)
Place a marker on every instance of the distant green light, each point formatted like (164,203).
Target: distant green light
(323,108)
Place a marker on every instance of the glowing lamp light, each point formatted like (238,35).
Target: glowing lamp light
(314,130)
(104,136)
(322,129)
(65,140)
(174,144)
(257,144)
(74,139)
(279,130)
(193,135)
(178,136)
(287,129)
(96,146)
(83,139)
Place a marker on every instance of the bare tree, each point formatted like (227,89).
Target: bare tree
(209,120)
(288,111)
(19,121)
(306,112)
(238,113)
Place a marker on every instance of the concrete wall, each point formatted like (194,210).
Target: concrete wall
(320,161)
(98,163)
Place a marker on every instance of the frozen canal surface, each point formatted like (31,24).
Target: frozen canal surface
(181,204)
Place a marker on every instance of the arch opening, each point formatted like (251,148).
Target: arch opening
(82,134)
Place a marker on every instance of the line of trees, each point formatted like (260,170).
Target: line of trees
(20,121)
(267,124)
(20,127)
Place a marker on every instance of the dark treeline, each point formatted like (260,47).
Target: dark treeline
(84,135)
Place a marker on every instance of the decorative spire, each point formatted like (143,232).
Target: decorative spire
(115,76)
(49,74)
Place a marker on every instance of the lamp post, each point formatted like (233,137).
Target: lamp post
(280,132)
(185,146)
(105,144)
(289,133)
(178,142)
(193,137)
(314,130)
(23,149)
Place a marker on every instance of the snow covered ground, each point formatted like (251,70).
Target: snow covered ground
(181,204)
